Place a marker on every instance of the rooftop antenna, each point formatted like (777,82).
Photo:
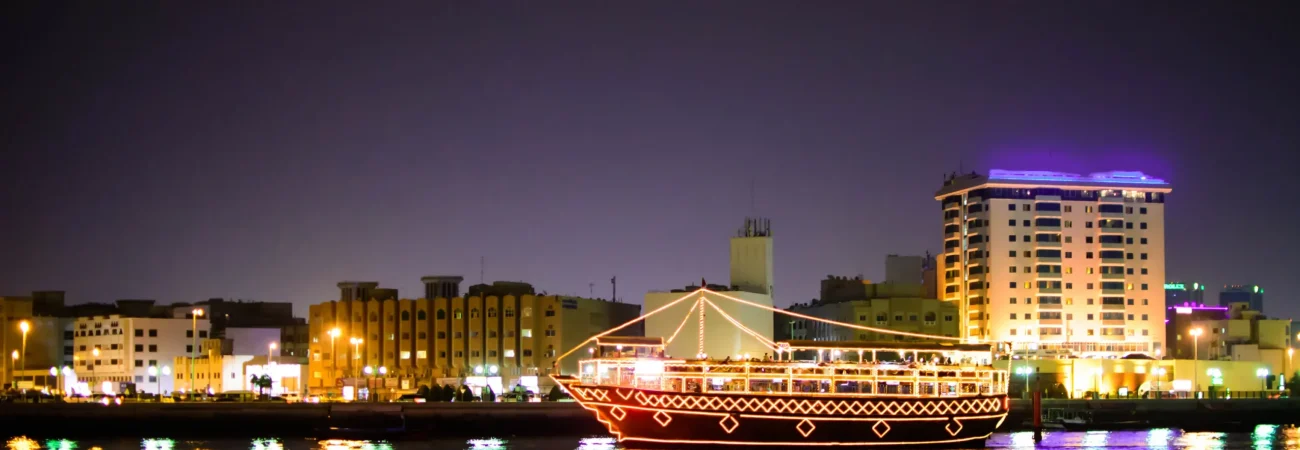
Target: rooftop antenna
(482,261)
(591,290)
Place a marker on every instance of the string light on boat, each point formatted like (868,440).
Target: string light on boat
(702,326)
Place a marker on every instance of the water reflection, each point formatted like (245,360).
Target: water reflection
(1263,437)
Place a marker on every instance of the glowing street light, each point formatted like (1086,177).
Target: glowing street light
(194,338)
(1262,373)
(1196,347)
(1159,372)
(25,326)
(356,348)
(270,348)
(1025,370)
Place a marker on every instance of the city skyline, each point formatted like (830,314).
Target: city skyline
(185,155)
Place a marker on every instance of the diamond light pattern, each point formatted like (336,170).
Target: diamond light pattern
(729,424)
(818,406)
(805,427)
(880,428)
(617,413)
(953,427)
(663,418)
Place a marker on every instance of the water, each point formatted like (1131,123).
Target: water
(1264,437)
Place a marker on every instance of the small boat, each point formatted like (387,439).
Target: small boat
(867,394)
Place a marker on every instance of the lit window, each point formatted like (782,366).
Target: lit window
(421,354)
(406,355)
(510,353)
(526,332)
(315,374)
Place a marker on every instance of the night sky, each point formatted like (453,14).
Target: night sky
(180,151)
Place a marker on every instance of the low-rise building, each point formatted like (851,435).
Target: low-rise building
(216,371)
(897,307)
(417,341)
(111,350)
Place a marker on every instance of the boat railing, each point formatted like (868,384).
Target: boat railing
(794,377)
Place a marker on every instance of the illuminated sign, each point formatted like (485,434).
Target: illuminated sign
(1182,310)
(1175,286)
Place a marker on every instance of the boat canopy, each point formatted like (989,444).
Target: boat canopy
(884,346)
(629,341)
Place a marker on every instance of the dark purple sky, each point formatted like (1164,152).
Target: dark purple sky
(186,151)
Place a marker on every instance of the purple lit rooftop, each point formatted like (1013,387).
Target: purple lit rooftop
(1120,177)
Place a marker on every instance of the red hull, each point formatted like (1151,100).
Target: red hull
(658,418)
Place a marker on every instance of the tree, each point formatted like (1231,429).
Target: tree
(265,382)
(1294,384)
(422,392)
(556,394)
(256,383)
(448,393)
(488,395)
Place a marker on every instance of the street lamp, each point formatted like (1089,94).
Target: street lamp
(194,337)
(1097,372)
(54,373)
(94,351)
(1024,370)
(356,348)
(269,349)
(1196,347)
(25,326)
(367,370)
(1159,372)
(334,351)
(1262,373)
(67,372)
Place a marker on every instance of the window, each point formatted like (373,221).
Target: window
(1144,241)
(460,354)
(153,348)
(1069,254)
(1144,286)
(1087,255)
(528,353)
(442,354)
(1143,225)
(1142,210)
(405,355)
(1087,224)
(189,333)
(1013,300)
(1144,316)
(442,335)
(1129,256)
(1010,207)
(1069,239)
(1026,253)
(1129,270)
(528,312)
(1089,316)
(492,312)
(114,346)
(1089,271)
(473,334)
(203,334)
(510,312)
(1013,316)
(1128,210)
(459,335)
(510,353)
(419,315)
(139,363)
(1013,332)
(1087,239)
(473,313)
(1144,302)
(139,347)
(440,315)
(1011,222)
(457,315)
(510,333)
(421,354)
(1024,223)
(406,315)
(1013,269)
(1011,238)
(1069,208)
(1013,253)
(1013,286)
(374,316)
(1129,225)
(550,311)
(405,336)
(1069,224)
(139,332)
(1025,207)
(526,332)
(1143,256)
(1130,317)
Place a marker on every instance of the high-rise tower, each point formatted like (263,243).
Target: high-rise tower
(751,257)
(1056,261)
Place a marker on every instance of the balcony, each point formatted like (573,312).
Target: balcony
(1047,244)
(952,235)
(1112,260)
(1050,321)
(1112,291)
(1047,259)
(953,220)
(1049,307)
(1119,322)
(1049,290)
(1047,275)
(1119,245)
(1047,214)
(1111,215)
(1112,276)
(1106,307)
(1112,337)
(1046,228)
(1111,230)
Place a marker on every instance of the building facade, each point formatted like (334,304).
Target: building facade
(127,347)
(1057,261)
(1249,294)
(1180,318)
(419,340)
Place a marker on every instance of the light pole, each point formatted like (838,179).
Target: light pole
(93,352)
(67,372)
(1097,372)
(369,392)
(153,372)
(269,349)
(25,327)
(374,396)
(1160,374)
(194,337)
(1024,370)
(54,373)
(1196,347)
(356,350)
(1262,373)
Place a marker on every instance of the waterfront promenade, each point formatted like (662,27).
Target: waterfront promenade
(530,419)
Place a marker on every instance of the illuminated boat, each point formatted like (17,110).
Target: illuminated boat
(815,393)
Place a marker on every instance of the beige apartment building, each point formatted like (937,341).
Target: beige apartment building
(1056,261)
(504,330)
